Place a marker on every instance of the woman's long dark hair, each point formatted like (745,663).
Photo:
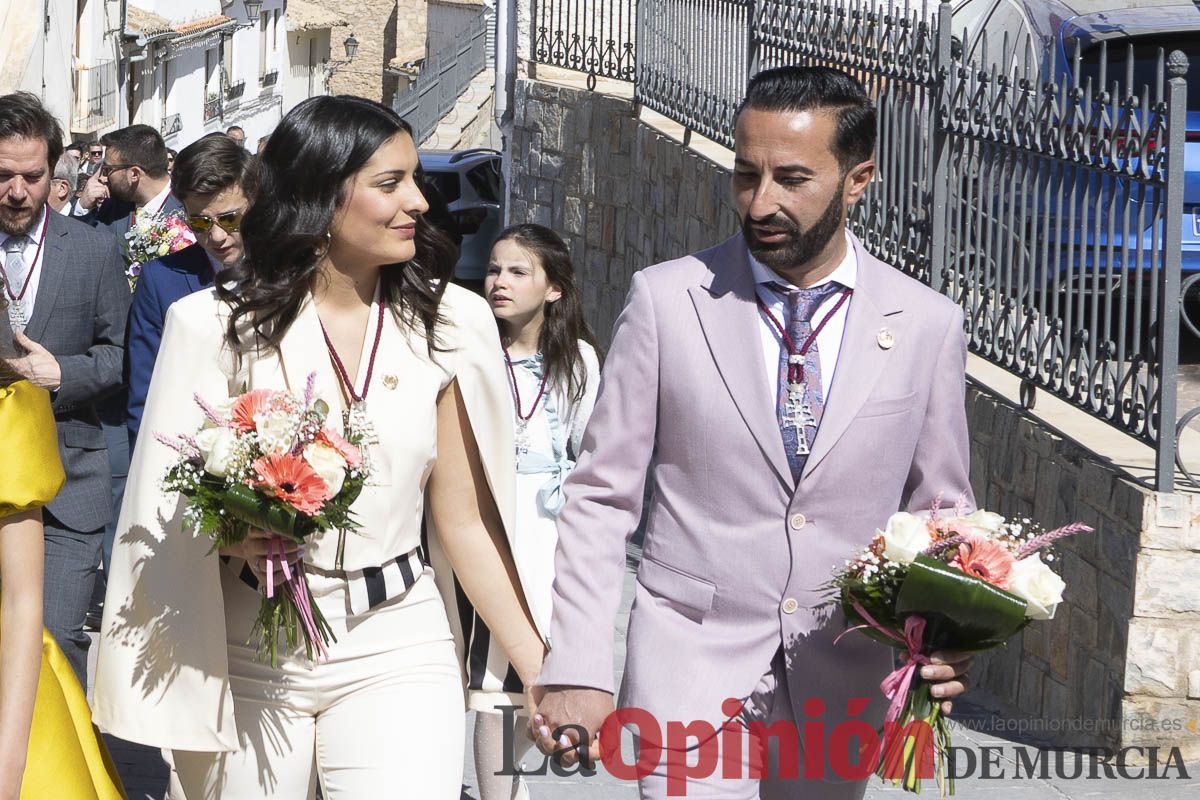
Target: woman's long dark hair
(304,170)
(564,323)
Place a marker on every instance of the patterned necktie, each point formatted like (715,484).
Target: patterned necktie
(800,416)
(14,275)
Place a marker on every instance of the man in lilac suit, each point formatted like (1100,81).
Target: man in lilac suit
(775,458)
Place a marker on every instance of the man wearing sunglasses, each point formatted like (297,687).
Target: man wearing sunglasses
(135,174)
(214,178)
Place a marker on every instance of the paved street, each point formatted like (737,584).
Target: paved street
(145,775)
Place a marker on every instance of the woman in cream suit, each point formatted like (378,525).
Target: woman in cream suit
(343,278)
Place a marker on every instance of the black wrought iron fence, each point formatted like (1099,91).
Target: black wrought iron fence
(597,38)
(1040,185)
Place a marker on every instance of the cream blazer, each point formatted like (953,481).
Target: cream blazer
(162,677)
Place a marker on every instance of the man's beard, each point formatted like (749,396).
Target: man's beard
(19,223)
(801,246)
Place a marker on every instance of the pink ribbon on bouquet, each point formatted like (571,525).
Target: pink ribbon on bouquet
(297,593)
(896,685)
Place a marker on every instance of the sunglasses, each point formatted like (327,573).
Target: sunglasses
(230,222)
(108,169)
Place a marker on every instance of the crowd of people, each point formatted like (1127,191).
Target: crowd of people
(504,480)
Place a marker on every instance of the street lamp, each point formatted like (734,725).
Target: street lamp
(252,8)
(351,45)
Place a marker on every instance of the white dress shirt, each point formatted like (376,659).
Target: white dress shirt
(156,203)
(829,340)
(32,255)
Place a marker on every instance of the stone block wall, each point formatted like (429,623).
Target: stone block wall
(621,194)
(1120,663)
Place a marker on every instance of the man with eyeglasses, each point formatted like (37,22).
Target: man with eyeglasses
(215,179)
(135,174)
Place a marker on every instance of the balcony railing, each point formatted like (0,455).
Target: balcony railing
(212,108)
(171,124)
(235,90)
(269,79)
(95,97)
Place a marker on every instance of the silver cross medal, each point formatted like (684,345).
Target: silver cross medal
(356,417)
(16,315)
(799,413)
(16,310)
(522,438)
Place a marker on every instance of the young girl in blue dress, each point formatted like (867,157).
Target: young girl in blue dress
(553,364)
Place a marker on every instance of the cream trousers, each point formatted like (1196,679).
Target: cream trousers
(382,718)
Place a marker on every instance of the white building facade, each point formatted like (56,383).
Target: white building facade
(199,66)
(61,51)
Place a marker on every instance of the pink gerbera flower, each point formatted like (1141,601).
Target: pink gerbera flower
(984,559)
(246,407)
(290,478)
(338,442)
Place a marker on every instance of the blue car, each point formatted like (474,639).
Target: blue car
(984,28)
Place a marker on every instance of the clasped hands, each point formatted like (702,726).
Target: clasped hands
(554,707)
(254,549)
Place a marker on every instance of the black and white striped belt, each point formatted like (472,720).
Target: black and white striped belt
(367,587)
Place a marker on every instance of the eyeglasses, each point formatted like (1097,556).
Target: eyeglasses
(96,153)
(230,222)
(108,169)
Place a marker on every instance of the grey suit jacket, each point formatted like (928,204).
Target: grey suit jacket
(79,315)
(736,554)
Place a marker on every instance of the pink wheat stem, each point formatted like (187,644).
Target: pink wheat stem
(1047,539)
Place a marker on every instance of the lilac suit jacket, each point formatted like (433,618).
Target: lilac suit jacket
(730,540)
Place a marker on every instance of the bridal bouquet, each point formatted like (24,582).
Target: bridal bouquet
(270,460)
(154,236)
(965,582)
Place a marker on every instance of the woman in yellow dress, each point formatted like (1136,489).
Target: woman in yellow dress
(50,748)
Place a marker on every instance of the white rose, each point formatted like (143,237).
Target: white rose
(216,445)
(905,538)
(276,431)
(1037,585)
(985,522)
(329,464)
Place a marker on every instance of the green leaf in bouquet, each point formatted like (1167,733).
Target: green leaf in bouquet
(260,512)
(961,612)
(874,605)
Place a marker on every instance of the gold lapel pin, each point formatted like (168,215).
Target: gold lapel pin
(390,381)
(885,339)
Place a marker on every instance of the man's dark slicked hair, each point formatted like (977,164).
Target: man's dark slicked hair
(795,89)
(22,116)
(142,146)
(213,164)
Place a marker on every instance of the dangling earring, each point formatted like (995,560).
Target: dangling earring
(321,252)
